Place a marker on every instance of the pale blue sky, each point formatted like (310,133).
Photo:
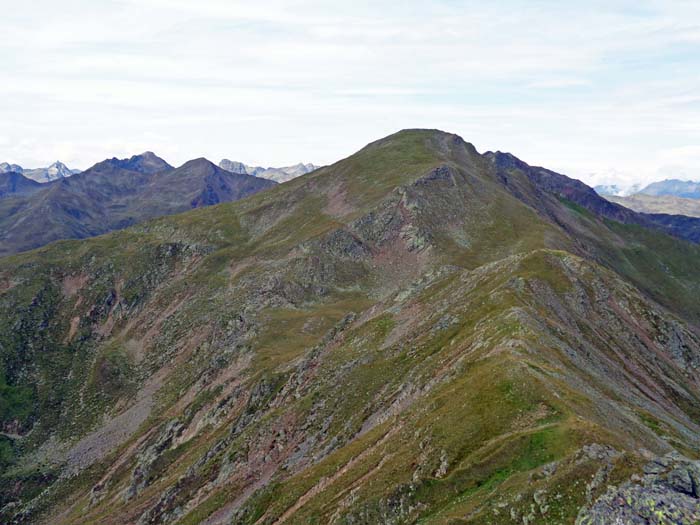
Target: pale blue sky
(599,90)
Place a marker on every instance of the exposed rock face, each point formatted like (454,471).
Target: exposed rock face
(236,167)
(667,492)
(147,163)
(277,174)
(142,475)
(7,168)
(55,171)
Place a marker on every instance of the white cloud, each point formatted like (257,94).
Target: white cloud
(595,91)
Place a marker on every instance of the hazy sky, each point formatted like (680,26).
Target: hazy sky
(598,90)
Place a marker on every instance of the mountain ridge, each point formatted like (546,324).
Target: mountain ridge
(55,171)
(147,163)
(15,183)
(114,194)
(416,333)
(282,174)
(676,187)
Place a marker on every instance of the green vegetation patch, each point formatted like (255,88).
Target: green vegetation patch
(546,266)
(16,402)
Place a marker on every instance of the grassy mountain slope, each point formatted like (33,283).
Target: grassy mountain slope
(404,336)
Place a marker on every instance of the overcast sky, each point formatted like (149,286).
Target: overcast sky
(598,90)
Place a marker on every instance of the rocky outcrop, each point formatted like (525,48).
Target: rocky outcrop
(147,458)
(667,492)
(282,174)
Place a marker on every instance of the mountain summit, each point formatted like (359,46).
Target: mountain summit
(55,171)
(146,163)
(10,168)
(282,174)
(417,333)
(678,188)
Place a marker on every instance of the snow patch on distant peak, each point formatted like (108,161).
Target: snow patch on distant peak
(57,170)
(617,190)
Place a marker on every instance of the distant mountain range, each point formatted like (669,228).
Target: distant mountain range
(671,196)
(615,189)
(111,195)
(282,174)
(678,188)
(57,170)
(14,168)
(669,204)
(117,193)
